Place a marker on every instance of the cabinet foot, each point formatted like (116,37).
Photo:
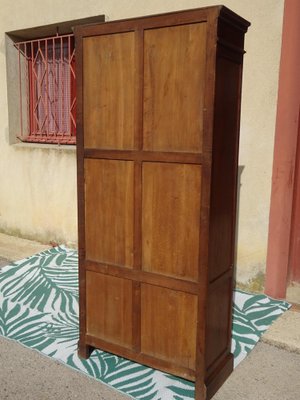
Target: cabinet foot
(84,350)
(200,391)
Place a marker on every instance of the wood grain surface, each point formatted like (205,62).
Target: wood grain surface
(109,296)
(173,87)
(169,321)
(109,210)
(171,219)
(110,99)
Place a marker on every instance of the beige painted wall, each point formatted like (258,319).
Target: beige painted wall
(38,187)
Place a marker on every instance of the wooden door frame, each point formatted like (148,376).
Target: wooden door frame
(285,179)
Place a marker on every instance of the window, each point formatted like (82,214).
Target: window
(47,90)
(41,90)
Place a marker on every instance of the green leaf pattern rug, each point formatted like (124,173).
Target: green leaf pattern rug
(39,308)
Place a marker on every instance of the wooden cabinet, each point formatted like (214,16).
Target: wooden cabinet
(158,127)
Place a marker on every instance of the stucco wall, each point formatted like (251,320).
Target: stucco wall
(38,187)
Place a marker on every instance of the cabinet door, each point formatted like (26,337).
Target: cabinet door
(140,160)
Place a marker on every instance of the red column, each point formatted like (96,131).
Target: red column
(294,254)
(286,135)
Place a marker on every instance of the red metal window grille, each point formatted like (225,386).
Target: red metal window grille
(47,90)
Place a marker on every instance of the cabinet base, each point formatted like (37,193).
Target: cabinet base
(219,376)
(203,392)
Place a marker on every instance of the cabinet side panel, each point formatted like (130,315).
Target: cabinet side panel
(173,87)
(222,214)
(219,303)
(109,210)
(110,82)
(224,168)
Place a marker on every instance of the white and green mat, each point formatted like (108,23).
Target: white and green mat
(39,308)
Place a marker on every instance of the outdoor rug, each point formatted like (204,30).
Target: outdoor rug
(39,309)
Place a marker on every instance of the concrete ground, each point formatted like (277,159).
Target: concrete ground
(13,248)
(3,261)
(293,293)
(270,372)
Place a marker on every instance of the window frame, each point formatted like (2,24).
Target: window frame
(49,84)
(17,102)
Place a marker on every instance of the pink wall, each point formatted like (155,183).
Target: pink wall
(286,135)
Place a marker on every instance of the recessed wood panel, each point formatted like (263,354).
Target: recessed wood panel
(169,320)
(217,329)
(109,308)
(174,71)
(110,84)
(171,219)
(109,208)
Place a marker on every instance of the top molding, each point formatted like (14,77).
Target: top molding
(177,17)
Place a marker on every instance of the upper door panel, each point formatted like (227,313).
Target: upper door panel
(110,86)
(174,76)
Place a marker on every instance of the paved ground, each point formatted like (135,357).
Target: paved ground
(285,333)
(13,248)
(293,293)
(27,375)
(3,262)
(270,372)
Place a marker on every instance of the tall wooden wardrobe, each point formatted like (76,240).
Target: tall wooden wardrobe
(158,131)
